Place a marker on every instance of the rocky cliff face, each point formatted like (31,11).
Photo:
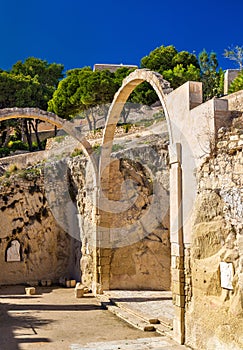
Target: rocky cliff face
(215,312)
(46,251)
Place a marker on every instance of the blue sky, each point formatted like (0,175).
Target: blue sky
(79,33)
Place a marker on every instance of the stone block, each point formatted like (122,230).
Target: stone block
(178,288)
(179,312)
(73,283)
(175,153)
(178,330)
(79,293)
(180,262)
(177,275)
(233,144)
(79,285)
(173,262)
(30,290)
(180,300)
(222,144)
(70,283)
(176,249)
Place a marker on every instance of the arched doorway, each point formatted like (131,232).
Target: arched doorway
(107,203)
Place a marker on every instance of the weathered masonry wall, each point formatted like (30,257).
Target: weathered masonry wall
(214,311)
(45,251)
(137,258)
(82,189)
(139,255)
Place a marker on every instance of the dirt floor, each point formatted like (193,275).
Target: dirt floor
(55,319)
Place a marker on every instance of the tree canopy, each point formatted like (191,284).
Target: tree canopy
(81,90)
(235,54)
(27,84)
(178,68)
(211,78)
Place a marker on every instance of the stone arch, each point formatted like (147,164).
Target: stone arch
(175,147)
(36,113)
(129,84)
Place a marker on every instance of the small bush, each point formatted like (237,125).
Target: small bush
(76,152)
(117,147)
(30,173)
(18,145)
(59,139)
(4,152)
(126,127)
(12,168)
(97,148)
(159,115)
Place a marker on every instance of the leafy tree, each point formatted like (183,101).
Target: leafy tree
(81,91)
(160,59)
(210,77)
(122,73)
(186,59)
(38,71)
(176,67)
(237,83)
(29,84)
(235,54)
(144,94)
(179,74)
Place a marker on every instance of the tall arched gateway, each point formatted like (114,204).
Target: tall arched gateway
(158,83)
(191,127)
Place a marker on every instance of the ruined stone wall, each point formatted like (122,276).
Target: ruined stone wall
(139,254)
(23,160)
(46,251)
(214,311)
(82,186)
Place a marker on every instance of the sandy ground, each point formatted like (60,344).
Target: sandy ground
(55,319)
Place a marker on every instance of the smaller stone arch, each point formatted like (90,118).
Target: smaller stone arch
(52,118)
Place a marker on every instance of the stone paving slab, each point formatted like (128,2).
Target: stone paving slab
(146,304)
(158,343)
